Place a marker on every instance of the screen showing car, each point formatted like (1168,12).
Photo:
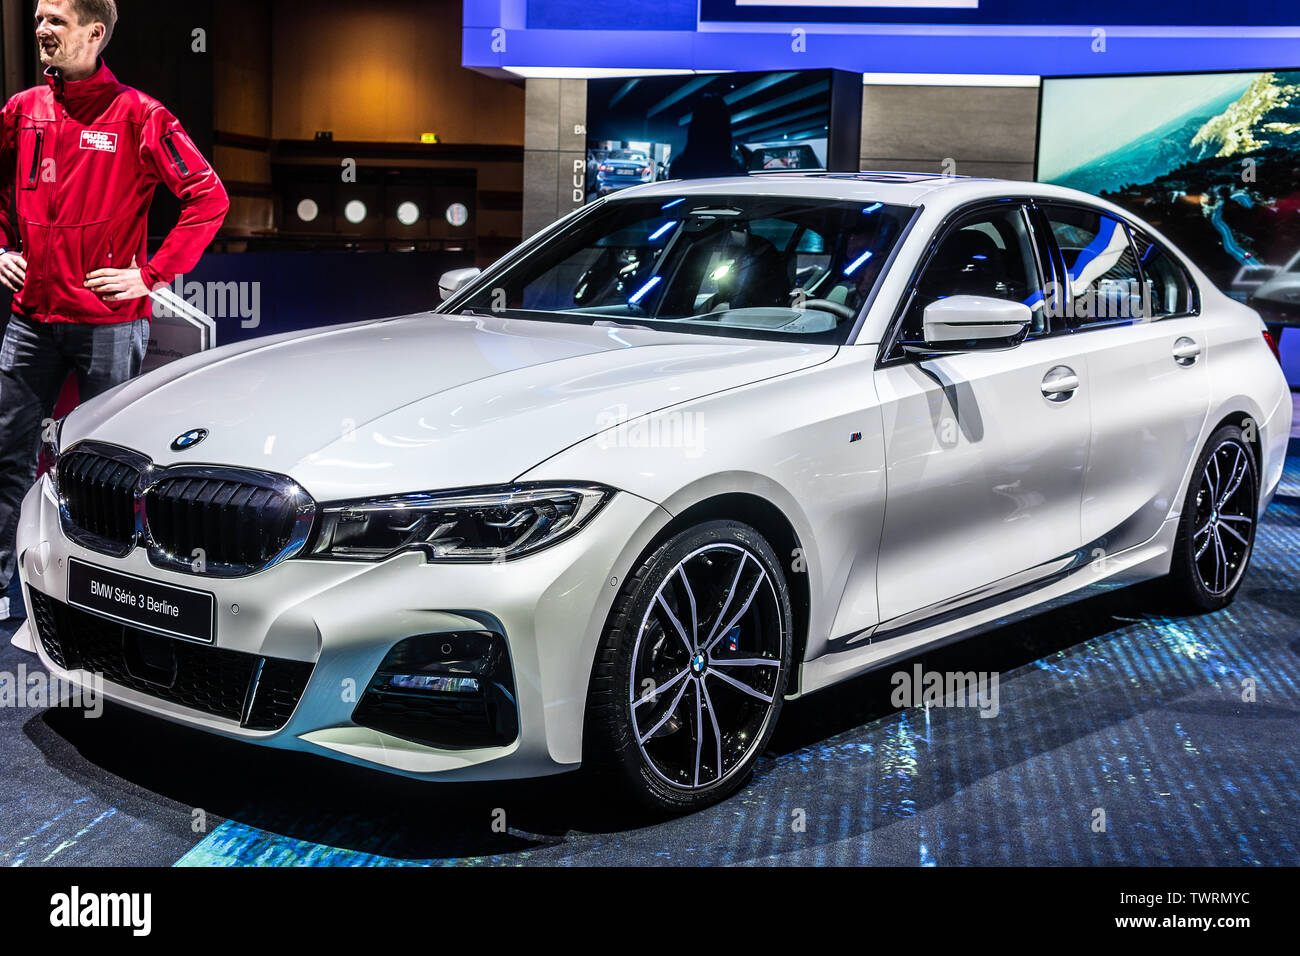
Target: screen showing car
(651,128)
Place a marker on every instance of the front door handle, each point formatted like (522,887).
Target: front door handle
(1060,384)
(1186,351)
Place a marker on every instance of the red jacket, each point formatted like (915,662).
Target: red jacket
(78,165)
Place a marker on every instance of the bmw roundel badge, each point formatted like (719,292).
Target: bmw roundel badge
(189,439)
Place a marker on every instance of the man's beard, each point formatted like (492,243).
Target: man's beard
(60,57)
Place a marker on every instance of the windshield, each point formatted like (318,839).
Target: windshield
(767,267)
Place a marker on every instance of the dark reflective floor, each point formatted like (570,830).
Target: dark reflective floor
(1104,708)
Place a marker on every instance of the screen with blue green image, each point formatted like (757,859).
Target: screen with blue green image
(1212,160)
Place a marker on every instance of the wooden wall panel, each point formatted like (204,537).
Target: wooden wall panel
(986,131)
(384,73)
(241,106)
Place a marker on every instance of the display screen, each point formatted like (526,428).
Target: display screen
(1212,160)
(645,129)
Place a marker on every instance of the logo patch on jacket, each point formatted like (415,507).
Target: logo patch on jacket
(98,140)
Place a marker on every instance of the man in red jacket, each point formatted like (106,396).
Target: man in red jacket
(79,160)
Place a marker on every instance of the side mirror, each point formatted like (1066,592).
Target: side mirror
(455,280)
(962,323)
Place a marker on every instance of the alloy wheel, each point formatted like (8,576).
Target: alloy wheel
(1224,525)
(706,667)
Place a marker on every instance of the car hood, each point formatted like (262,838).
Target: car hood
(419,402)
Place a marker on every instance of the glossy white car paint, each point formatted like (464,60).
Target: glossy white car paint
(967,485)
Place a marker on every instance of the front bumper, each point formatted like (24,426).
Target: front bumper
(343,617)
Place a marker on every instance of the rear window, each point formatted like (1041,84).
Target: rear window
(1169,287)
(1103,277)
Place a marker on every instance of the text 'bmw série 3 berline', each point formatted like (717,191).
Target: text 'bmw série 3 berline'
(693,450)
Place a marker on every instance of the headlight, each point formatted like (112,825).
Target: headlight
(482,525)
(51,447)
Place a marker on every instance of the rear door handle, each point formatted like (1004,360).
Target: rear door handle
(1060,384)
(1186,351)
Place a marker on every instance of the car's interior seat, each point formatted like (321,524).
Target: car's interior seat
(968,263)
(762,276)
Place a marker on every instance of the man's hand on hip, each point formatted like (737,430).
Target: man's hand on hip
(118,285)
(13,271)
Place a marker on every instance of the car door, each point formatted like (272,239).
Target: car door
(985,450)
(1132,311)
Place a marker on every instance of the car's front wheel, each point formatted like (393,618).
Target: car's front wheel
(1216,533)
(691,670)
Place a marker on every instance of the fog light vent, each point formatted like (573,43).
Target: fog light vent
(452,690)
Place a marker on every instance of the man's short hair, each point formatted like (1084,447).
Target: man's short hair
(97,11)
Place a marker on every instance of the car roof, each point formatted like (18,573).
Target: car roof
(887,186)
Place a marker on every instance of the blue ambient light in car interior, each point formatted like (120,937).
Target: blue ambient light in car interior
(669,205)
(853,266)
(640,293)
(872,208)
(662,229)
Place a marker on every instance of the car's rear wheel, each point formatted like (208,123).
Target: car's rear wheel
(1216,533)
(692,668)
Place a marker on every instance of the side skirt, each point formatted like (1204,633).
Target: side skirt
(1045,588)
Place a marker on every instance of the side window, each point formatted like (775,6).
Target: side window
(988,253)
(1104,284)
(1168,285)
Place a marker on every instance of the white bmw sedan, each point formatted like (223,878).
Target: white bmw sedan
(694,450)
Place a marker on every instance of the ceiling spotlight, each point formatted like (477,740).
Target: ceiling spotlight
(308,210)
(355,212)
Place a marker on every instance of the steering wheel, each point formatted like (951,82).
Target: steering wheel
(826,305)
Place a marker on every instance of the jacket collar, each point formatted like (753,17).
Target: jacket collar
(75,94)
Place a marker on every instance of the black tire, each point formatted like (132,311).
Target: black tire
(642,721)
(1216,534)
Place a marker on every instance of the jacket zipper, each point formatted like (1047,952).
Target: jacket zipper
(177,160)
(54,204)
(34,176)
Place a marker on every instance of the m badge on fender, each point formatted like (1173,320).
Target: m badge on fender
(98,140)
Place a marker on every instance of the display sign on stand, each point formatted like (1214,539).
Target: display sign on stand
(179,329)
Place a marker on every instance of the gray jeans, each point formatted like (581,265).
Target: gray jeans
(35,359)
